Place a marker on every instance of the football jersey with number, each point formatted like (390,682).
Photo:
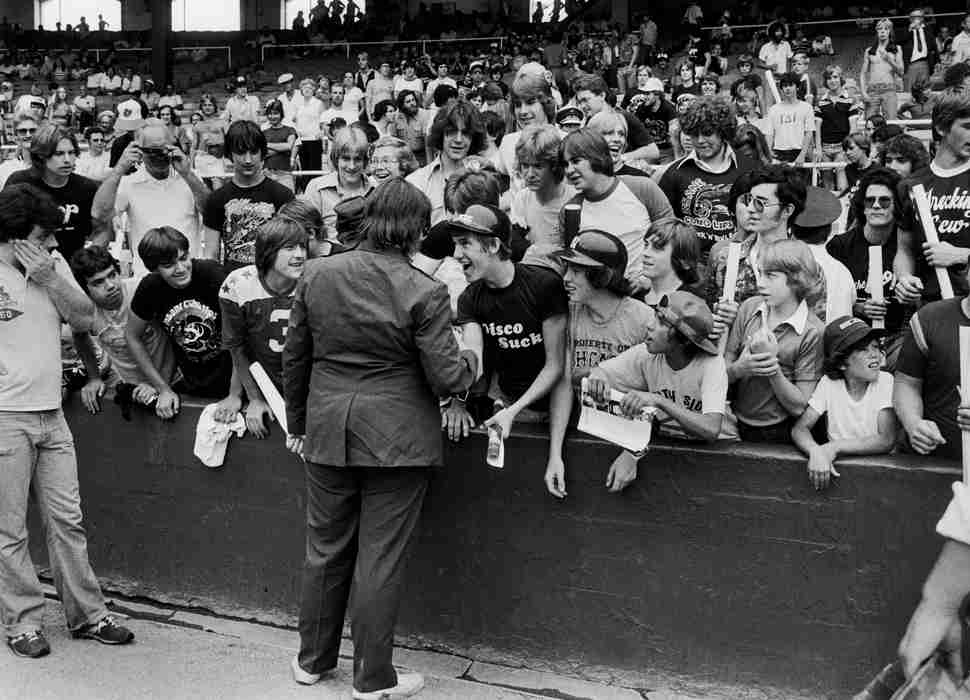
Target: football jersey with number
(255,319)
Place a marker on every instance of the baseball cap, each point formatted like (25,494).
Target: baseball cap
(240,80)
(482,220)
(843,333)
(746,58)
(654,85)
(689,315)
(569,115)
(129,116)
(595,248)
(822,208)
(285,78)
(438,243)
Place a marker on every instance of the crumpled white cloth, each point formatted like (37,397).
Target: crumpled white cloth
(955,523)
(212,436)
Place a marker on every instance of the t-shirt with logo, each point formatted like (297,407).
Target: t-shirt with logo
(191,318)
(511,319)
(30,345)
(700,387)
(702,198)
(655,121)
(74,201)
(109,331)
(852,250)
(949,195)
(592,340)
(236,212)
(255,319)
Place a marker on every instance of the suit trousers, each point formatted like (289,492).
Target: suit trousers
(359,524)
(916,70)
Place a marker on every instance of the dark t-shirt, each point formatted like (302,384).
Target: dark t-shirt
(835,115)
(191,318)
(636,133)
(279,134)
(949,195)
(936,360)
(702,198)
(852,250)
(656,122)
(74,200)
(511,321)
(236,212)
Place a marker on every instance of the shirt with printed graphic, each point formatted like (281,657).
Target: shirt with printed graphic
(255,319)
(236,212)
(593,340)
(511,319)
(949,195)
(191,318)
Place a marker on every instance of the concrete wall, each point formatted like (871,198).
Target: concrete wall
(719,563)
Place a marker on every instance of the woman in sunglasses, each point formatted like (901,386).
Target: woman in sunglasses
(876,207)
(25,127)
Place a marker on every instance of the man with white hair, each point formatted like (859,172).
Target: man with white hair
(162,191)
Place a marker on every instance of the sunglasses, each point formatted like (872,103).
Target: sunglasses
(884,202)
(26,131)
(756,203)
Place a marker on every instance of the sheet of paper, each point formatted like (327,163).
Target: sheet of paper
(606,421)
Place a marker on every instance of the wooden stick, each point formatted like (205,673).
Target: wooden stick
(922,201)
(875,281)
(729,291)
(964,389)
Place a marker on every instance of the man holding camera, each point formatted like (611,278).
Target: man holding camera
(154,185)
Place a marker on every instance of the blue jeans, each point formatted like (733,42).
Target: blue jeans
(37,455)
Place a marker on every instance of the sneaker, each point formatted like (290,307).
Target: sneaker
(30,645)
(408,684)
(106,631)
(304,677)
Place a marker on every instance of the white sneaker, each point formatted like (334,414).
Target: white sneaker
(408,684)
(304,677)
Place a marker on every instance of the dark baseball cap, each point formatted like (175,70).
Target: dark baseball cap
(595,248)
(482,220)
(845,332)
(822,208)
(350,215)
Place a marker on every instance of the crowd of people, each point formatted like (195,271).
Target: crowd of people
(480,243)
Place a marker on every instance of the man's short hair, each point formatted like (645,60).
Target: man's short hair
(588,144)
(685,246)
(860,139)
(274,235)
(91,261)
(788,78)
(794,258)
(710,115)
(460,116)
(45,141)
(466,187)
(791,188)
(540,144)
(443,93)
(24,206)
(908,148)
(162,246)
(350,141)
(245,136)
(948,108)
(588,81)
(954,76)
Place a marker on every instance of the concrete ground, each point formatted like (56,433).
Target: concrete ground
(185,656)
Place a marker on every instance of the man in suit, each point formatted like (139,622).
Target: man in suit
(919,49)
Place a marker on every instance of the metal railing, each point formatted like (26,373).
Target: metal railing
(225,47)
(349,45)
(841,20)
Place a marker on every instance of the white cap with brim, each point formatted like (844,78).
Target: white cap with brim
(285,78)
(129,116)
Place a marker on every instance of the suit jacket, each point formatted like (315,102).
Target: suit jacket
(369,350)
(906,44)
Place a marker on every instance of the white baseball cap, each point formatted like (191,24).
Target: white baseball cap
(653,85)
(129,116)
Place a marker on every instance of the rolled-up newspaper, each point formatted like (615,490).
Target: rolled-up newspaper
(270,393)
(874,281)
(606,421)
(729,291)
(922,201)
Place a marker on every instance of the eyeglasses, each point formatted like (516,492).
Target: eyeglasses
(756,203)
(884,202)
(385,162)
(26,131)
